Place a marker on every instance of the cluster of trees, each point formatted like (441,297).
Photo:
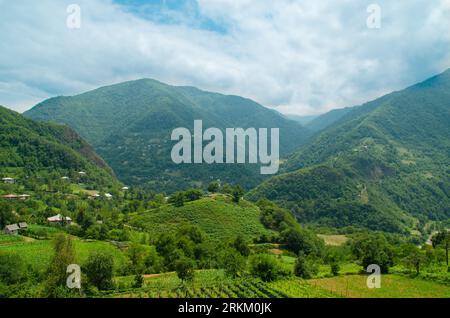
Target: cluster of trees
(179,198)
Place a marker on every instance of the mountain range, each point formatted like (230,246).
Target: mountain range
(382,165)
(29,148)
(130,124)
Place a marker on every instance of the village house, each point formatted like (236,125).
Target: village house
(16,197)
(108,196)
(125,188)
(94,196)
(10,196)
(59,219)
(23,225)
(8,180)
(12,229)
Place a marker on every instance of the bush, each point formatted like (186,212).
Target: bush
(302,241)
(12,269)
(184,268)
(373,249)
(233,263)
(241,246)
(265,267)
(305,268)
(99,270)
(335,268)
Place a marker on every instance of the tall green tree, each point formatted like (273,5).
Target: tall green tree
(99,270)
(64,255)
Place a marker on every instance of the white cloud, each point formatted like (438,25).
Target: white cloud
(298,56)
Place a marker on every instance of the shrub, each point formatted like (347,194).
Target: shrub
(233,263)
(99,270)
(265,267)
(184,268)
(305,268)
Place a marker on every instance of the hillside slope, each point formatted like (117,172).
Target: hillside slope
(31,148)
(130,125)
(325,120)
(387,160)
(218,217)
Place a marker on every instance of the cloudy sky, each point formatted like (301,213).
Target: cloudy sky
(297,56)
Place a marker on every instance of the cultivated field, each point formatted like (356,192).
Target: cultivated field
(392,286)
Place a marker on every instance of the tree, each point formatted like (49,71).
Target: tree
(138,280)
(241,245)
(300,240)
(233,263)
(335,268)
(193,194)
(64,255)
(264,266)
(413,258)
(237,193)
(12,269)
(442,239)
(213,187)
(177,199)
(6,215)
(99,270)
(136,255)
(373,249)
(304,267)
(184,267)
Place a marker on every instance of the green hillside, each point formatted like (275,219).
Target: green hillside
(218,217)
(384,165)
(31,148)
(321,122)
(130,125)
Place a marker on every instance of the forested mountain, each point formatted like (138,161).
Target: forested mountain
(321,122)
(30,148)
(383,165)
(302,120)
(130,125)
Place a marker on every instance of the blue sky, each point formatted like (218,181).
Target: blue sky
(175,12)
(296,56)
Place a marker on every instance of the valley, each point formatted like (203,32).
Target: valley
(368,185)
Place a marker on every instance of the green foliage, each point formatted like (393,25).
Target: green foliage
(265,267)
(184,267)
(335,268)
(115,119)
(241,246)
(300,240)
(219,218)
(305,267)
(373,249)
(233,263)
(31,148)
(381,166)
(99,270)
(213,187)
(64,255)
(12,269)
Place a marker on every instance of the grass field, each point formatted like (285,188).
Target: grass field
(392,286)
(218,217)
(39,252)
(333,240)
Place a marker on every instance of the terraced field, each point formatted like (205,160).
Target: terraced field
(213,284)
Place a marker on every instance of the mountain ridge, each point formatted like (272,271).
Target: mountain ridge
(129,124)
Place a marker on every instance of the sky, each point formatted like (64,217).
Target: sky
(299,57)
